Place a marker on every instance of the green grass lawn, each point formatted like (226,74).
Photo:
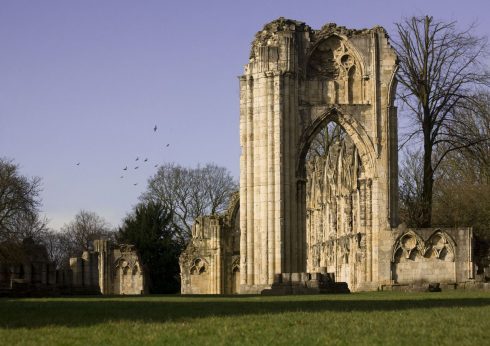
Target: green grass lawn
(451,318)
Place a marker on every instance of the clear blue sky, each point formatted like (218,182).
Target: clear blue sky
(86,81)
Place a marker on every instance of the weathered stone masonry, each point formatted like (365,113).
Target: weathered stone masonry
(106,269)
(335,214)
(298,80)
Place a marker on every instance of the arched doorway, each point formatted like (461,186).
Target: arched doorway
(337,203)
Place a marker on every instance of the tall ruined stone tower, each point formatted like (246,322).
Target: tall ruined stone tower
(296,82)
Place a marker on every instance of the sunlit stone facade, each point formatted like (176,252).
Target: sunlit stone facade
(334,212)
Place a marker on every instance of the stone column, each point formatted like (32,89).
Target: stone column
(271,213)
(76,266)
(369,230)
(362,219)
(246,99)
(87,266)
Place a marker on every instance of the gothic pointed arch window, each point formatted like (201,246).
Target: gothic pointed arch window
(199,266)
(334,73)
(334,199)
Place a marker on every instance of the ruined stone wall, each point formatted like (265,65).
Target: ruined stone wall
(336,212)
(119,269)
(25,266)
(128,271)
(211,262)
(422,256)
(296,82)
(109,269)
(334,215)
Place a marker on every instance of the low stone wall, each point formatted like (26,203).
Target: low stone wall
(435,255)
(108,269)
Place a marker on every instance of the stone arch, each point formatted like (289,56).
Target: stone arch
(334,70)
(235,265)
(441,246)
(345,210)
(297,89)
(135,269)
(235,275)
(392,88)
(355,131)
(406,245)
(344,41)
(354,85)
(126,270)
(199,266)
(233,210)
(120,262)
(417,260)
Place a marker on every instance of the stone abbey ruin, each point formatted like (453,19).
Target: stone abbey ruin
(318,199)
(106,268)
(317,209)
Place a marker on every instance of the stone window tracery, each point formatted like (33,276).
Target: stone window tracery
(235,266)
(199,266)
(334,63)
(411,246)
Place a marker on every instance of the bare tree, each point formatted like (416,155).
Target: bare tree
(190,192)
(79,234)
(467,172)
(30,225)
(476,125)
(441,69)
(410,191)
(218,185)
(19,204)
(58,247)
(326,138)
(462,185)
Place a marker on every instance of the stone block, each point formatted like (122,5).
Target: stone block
(295,277)
(315,276)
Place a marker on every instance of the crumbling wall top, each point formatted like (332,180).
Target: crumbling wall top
(264,36)
(280,24)
(332,28)
(270,34)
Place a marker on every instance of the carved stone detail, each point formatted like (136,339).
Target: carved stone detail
(336,213)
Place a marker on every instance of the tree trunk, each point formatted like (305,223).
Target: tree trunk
(425,220)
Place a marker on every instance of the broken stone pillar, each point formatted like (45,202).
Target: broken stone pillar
(76,266)
(102,248)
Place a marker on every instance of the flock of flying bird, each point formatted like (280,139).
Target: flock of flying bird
(137,159)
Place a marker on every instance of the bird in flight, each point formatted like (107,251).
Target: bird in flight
(125,168)
(135,184)
(122,176)
(78,164)
(155,129)
(156,165)
(137,158)
(136,167)
(145,160)
(168,145)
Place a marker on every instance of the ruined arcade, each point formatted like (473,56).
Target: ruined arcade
(302,218)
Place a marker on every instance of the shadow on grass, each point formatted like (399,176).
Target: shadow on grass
(76,312)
